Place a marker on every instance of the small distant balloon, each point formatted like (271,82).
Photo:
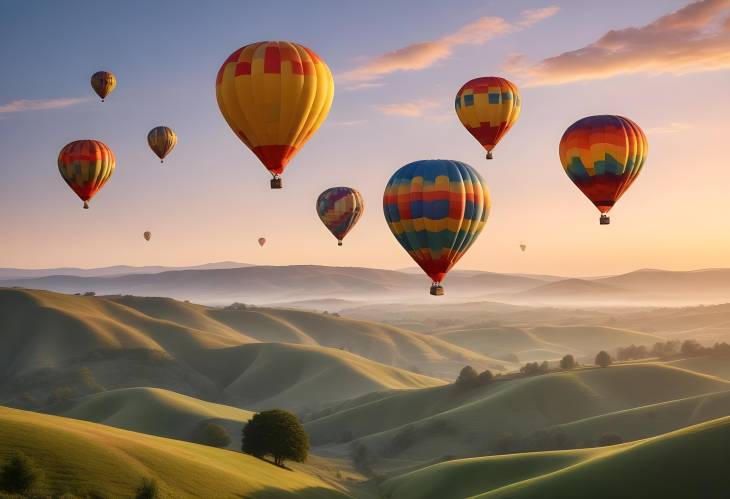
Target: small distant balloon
(103,83)
(147,235)
(340,208)
(603,155)
(86,165)
(262,241)
(523,246)
(161,140)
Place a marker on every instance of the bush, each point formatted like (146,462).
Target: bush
(603,359)
(609,439)
(532,368)
(213,434)
(236,306)
(277,433)
(19,475)
(485,377)
(467,377)
(567,362)
(147,490)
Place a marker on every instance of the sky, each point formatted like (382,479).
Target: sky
(397,65)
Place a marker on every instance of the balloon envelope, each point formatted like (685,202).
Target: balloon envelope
(436,209)
(147,235)
(161,140)
(262,241)
(86,165)
(103,82)
(488,107)
(603,155)
(274,96)
(340,208)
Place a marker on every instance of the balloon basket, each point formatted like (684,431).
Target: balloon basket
(437,290)
(276,183)
(489,155)
(86,205)
(339,242)
(605,219)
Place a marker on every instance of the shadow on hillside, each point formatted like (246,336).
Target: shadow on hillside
(309,492)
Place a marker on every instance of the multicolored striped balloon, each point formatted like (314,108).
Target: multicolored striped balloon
(340,208)
(161,140)
(603,155)
(86,165)
(436,209)
(103,83)
(488,107)
(274,96)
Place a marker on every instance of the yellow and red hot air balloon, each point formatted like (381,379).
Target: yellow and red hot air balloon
(340,208)
(161,140)
(262,241)
(436,209)
(86,165)
(147,235)
(603,155)
(103,82)
(274,96)
(488,107)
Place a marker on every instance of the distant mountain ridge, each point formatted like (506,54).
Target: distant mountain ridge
(114,270)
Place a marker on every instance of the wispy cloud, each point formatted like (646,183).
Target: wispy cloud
(424,54)
(346,123)
(673,127)
(21,105)
(411,109)
(692,39)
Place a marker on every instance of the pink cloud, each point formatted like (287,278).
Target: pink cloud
(412,109)
(692,39)
(424,54)
(18,106)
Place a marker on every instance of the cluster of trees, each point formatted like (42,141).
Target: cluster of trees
(470,378)
(276,433)
(671,349)
(533,368)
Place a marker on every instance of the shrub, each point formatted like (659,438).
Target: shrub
(236,306)
(609,439)
(467,377)
(19,475)
(603,359)
(213,434)
(532,368)
(567,362)
(147,490)
(277,433)
(485,377)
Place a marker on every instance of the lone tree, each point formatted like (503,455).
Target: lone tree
(19,475)
(213,434)
(567,362)
(468,377)
(276,433)
(603,359)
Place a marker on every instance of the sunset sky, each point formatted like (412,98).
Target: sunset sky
(397,67)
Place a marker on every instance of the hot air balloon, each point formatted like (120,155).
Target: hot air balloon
(523,246)
(161,140)
(488,107)
(274,96)
(147,235)
(86,165)
(436,209)
(603,155)
(103,82)
(340,208)
(262,241)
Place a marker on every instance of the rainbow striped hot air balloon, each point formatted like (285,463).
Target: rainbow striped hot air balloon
(488,107)
(274,96)
(603,155)
(86,165)
(436,209)
(340,208)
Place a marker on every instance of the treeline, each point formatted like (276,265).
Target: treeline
(672,349)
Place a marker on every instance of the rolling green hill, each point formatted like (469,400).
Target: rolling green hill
(712,365)
(690,462)
(82,457)
(432,422)
(155,412)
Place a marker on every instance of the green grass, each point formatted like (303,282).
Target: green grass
(688,463)
(80,457)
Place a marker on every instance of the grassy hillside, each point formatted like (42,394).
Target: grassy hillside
(462,422)
(83,457)
(712,365)
(687,463)
(265,375)
(155,412)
